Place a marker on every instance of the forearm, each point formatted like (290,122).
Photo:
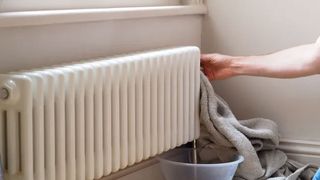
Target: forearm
(294,62)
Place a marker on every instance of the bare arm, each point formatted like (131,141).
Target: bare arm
(290,63)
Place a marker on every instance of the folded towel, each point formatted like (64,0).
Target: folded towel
(222,135)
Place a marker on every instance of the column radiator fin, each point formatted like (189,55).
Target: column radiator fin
(87,120)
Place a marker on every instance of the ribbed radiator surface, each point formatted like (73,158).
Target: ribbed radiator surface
(87,120)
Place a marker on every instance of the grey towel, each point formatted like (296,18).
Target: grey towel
(256,139)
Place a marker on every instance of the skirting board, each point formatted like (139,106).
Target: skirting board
(302,151)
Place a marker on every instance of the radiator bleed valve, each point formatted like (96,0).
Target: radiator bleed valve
(9,92)
(4,93)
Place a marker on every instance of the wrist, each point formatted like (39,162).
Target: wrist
(238,65)
(247,65)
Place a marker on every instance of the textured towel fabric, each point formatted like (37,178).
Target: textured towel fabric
(222,136)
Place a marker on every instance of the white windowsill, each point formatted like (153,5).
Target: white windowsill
(32,18)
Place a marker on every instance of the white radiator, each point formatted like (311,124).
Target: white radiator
(87,120)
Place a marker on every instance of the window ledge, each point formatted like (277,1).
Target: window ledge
(33,18)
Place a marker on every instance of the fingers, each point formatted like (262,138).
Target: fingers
(202,61)
(204,56)
(209,73)
(205,60)
(205,65)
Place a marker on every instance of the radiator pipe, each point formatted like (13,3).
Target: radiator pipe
(194,152)
(195,159)
(1,171)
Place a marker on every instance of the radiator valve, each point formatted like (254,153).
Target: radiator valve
(9,93)
(4,93)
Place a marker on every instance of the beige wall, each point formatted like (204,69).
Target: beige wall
(257,27)
(37,46)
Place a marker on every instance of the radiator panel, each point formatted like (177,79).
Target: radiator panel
(80,123)
(70,87)
(87,120)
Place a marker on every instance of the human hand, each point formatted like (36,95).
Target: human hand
(217,66)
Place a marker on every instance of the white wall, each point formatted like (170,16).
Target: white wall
(37,46)
(258,27)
